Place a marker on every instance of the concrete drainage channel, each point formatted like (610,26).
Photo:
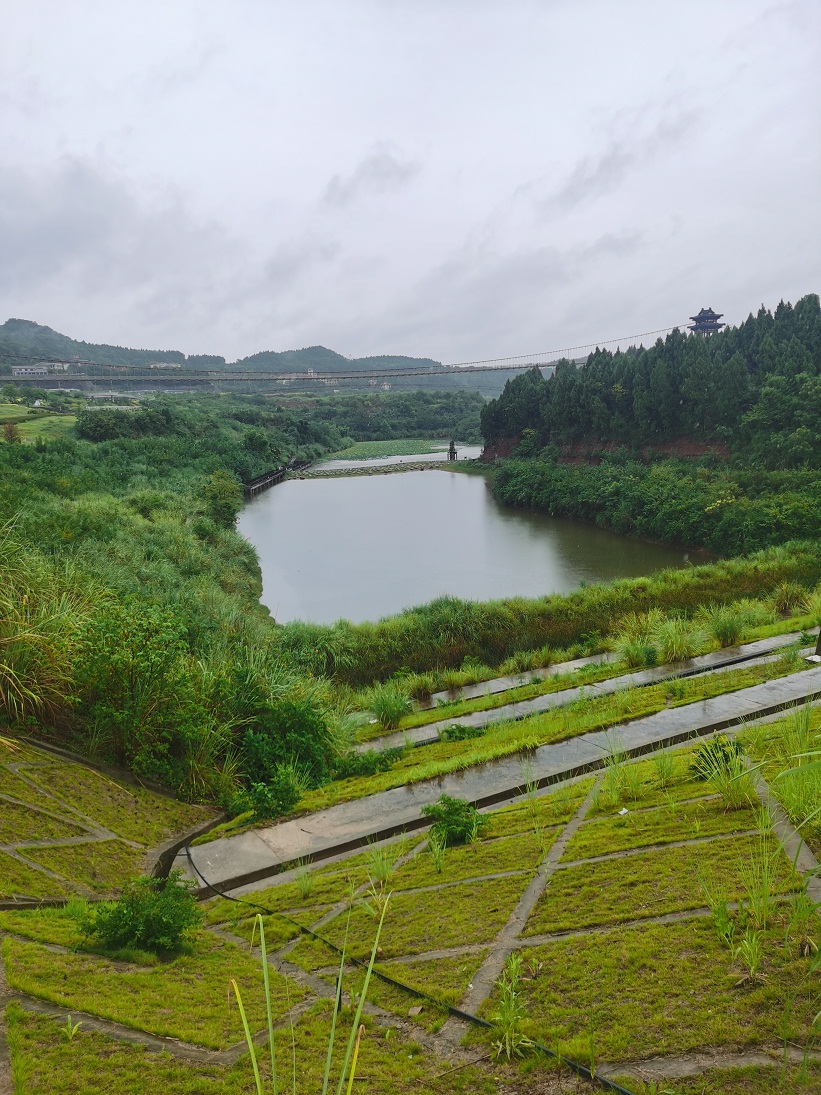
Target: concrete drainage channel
(230,862)
(755,653)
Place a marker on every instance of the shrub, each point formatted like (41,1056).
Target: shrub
(152,914)
(288,729)
(276,797)
(455,821)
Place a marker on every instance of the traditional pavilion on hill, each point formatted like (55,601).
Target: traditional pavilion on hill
(706,322)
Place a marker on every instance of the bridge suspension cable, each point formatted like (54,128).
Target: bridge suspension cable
(564,350)
(185,375)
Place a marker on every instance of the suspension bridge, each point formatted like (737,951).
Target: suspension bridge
(95,372)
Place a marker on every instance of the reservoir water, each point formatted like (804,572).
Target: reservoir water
(362,547)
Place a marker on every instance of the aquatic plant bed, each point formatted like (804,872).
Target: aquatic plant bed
(371,450)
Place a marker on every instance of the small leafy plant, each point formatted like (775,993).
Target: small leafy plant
(68,1031)
(455,821)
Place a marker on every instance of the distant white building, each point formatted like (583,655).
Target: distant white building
(29,370)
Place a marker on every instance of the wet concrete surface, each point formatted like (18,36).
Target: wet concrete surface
(522,709)
(247,857)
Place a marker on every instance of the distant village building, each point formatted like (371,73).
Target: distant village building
(164,365)
(29,370)
(42,368)
(706,322)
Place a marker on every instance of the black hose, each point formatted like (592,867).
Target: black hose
(577,1067)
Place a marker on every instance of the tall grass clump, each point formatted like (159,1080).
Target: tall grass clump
(787,596)
(634,642)
(724,623)
(510,1013)
(811,604)
(677,639)
(389,703)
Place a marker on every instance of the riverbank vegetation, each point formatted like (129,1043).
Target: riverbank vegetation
(703,442)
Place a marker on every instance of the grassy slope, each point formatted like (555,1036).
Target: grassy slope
(627,990)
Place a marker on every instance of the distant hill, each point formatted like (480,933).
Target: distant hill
(24,339)
(323,360)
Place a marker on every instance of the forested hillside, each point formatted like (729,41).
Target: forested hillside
(755,387)
(607,442)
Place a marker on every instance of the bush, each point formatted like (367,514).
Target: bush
(152,914)
(287,730)
(277,796)
(454,820)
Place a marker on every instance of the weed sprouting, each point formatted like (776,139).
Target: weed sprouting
(750,951)
(719,906)
(664,765)
(511,1013)
(303,879)
(436,848)
(802,925)
(380,861)
(69,1029)
(758,876)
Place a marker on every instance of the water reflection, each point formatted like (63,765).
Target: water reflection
(364,547)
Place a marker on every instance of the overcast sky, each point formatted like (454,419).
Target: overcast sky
(457,179)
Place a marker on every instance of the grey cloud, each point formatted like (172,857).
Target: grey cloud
(477,301)
(594,176)
(379,173)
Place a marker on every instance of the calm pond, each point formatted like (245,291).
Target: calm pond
(362,547)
